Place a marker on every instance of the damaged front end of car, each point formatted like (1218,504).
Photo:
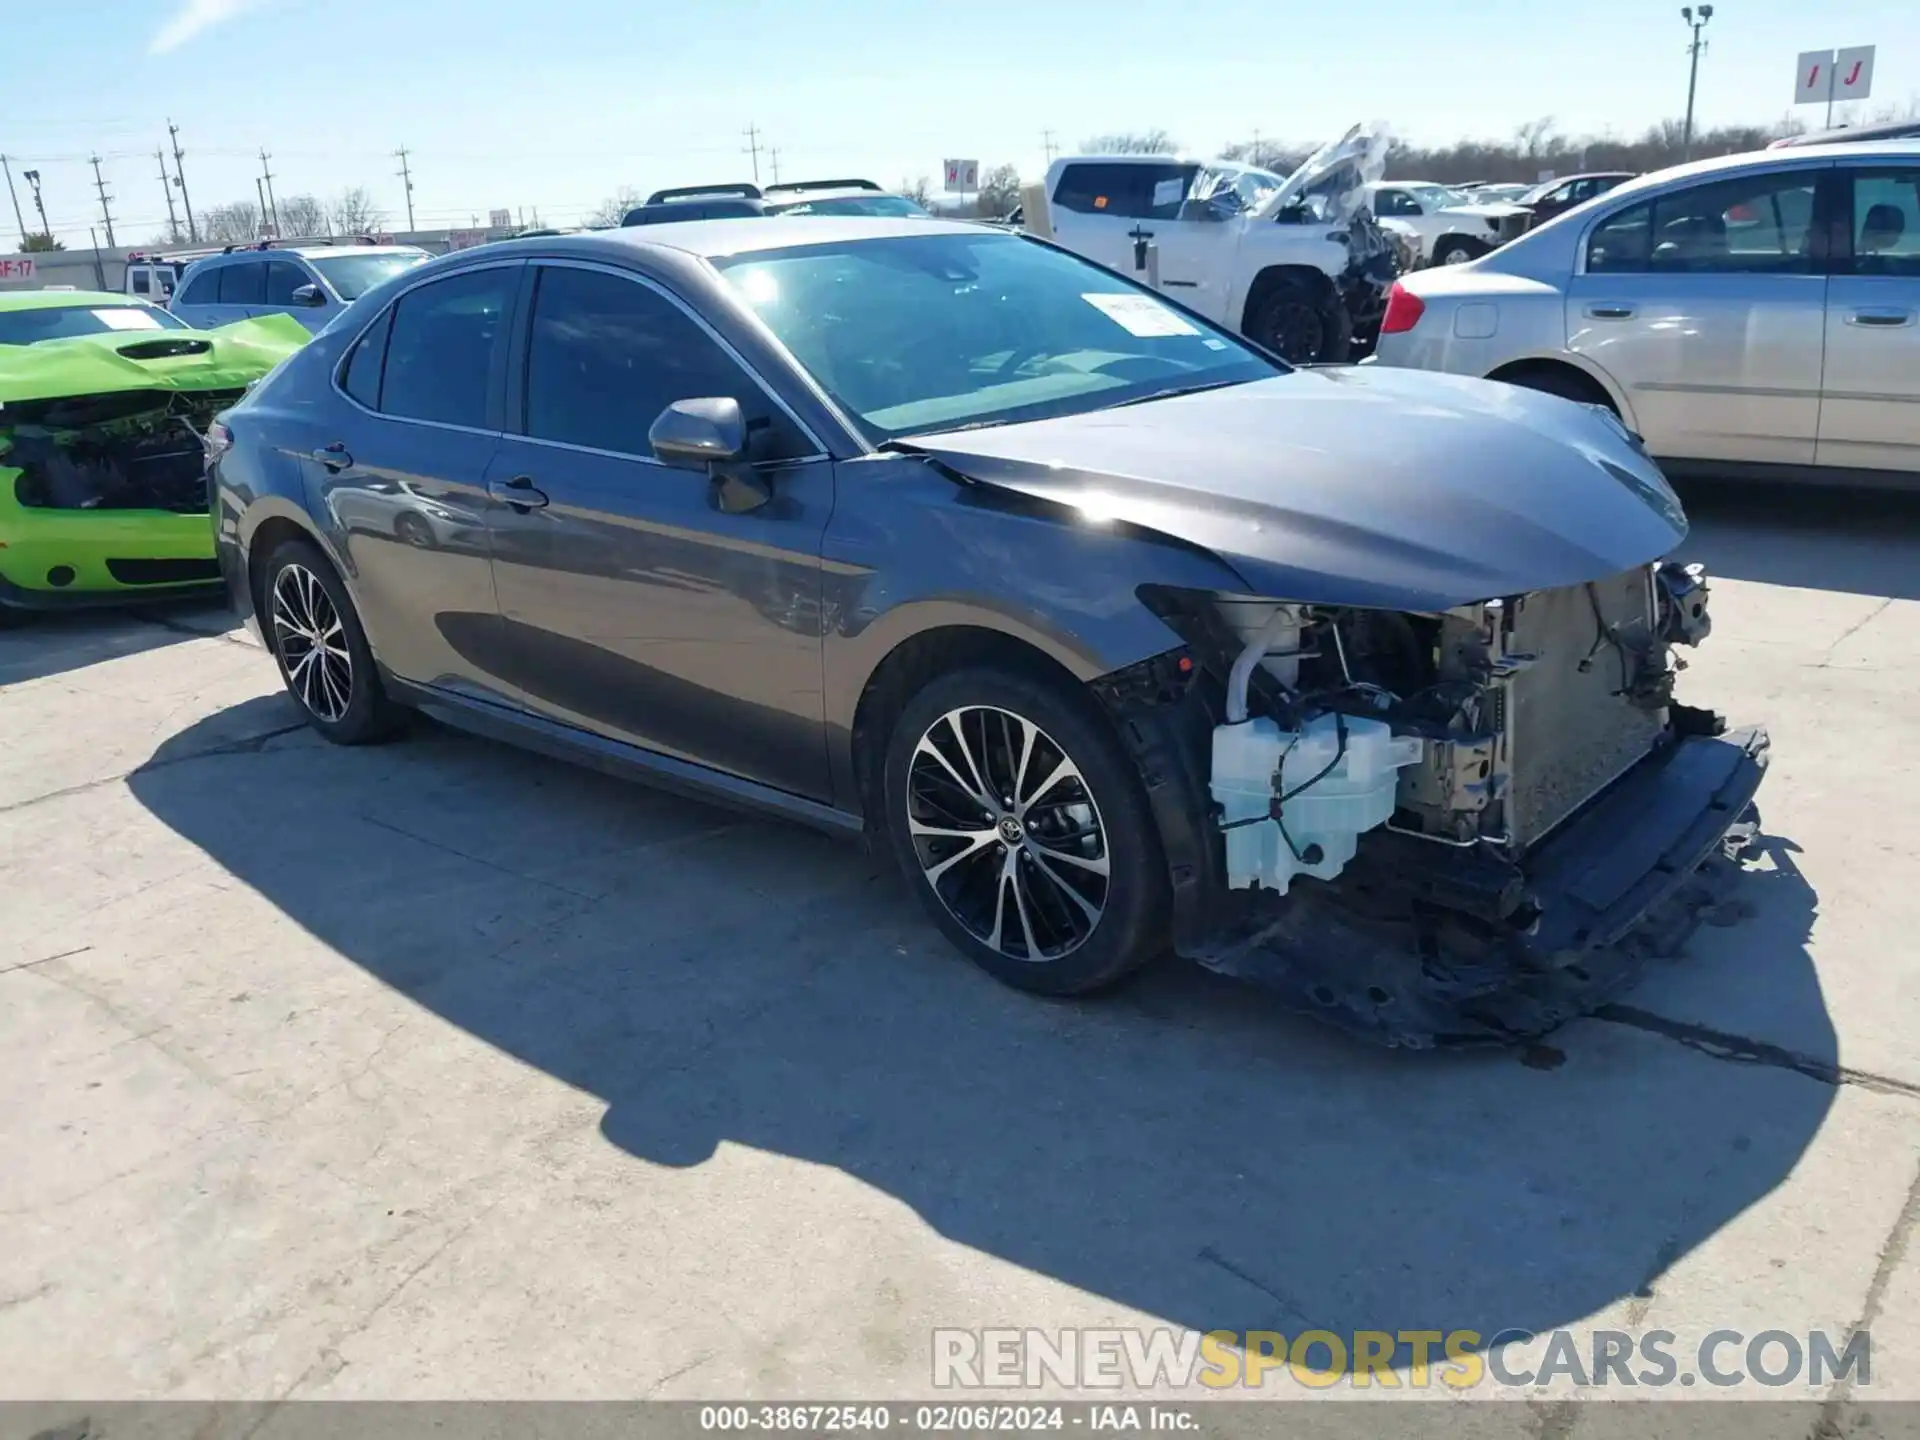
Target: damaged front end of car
(1440,828)
(103,460)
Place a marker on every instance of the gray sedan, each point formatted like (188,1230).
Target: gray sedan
(1115,632)
(1754,316)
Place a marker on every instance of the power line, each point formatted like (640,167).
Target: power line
(180,179)
(166,185)
(106,212)
(406,179)
(752,147)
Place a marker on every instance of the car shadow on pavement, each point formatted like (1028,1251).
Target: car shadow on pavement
(38,644)
(1183,1147)
(1816,537)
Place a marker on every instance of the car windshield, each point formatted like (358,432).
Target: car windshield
(62,322)
(1435,197)
(891,206)
(352,276)
(931,332)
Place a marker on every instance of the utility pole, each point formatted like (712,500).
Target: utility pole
(1046,143)
(166,186)
(273,206)
(32,177)
(260,194)
(180,179)
(773,154)
(406,180)
(106,213)
(752,147)
(14,195)
(1687,14)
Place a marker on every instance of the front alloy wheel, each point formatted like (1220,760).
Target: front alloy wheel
(1022,825)
(312,644)
(1007,833)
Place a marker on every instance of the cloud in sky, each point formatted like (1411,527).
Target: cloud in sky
(192,17)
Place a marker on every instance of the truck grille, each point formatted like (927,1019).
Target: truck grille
(1571,732)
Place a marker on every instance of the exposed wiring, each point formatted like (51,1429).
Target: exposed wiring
(1605,635)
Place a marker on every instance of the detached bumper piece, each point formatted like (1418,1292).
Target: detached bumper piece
(1422,945)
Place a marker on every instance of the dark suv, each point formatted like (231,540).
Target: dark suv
(801,197)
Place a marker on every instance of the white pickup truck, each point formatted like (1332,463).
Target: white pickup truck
(1452,228)
(1298,264)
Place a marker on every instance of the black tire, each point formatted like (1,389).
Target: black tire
(289,614)
(1050,946)
(1458,249)
(1559,380)
(1302,323)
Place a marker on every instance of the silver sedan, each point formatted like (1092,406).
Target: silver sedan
(1750,316)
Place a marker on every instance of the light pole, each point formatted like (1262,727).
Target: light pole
(1696,21)
(32,178)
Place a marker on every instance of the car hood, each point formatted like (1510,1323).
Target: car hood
(1488,209)
(1358,485)
(120,360)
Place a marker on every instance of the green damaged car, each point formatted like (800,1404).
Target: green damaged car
(104,400)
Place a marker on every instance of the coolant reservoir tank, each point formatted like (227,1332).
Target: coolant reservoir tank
(1348,789)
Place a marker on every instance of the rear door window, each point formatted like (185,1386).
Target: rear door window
(440,355)
(1136,191)
(1749,225)
(1886,221)
(244,284)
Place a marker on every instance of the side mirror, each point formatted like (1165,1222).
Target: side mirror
(309,295)
(709,434)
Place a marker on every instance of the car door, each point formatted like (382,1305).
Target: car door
(1111,205)
(398,466)
(632,604)
(243,290)
(1707,306)
(285,275)
(1870,409)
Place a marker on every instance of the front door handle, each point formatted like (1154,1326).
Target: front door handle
(334,457)
(1610,312)
(1884,318)
(517,492)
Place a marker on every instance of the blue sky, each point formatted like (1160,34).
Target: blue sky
(556,104)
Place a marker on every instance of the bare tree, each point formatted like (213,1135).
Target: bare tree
(232,223)
(1536,138)
(1278,156)
(302,215)
(613,209)
(919,191)
(1132,142)
(40,244)
(354,212)
(999,192)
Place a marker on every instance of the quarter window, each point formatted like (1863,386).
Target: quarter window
(362,379)
(1886,222)
(440,353)
(606,355)
(204,289)
(1749,225)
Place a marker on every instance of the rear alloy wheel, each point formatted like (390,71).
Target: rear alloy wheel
(321,648)
(1020,823)
(1457,250)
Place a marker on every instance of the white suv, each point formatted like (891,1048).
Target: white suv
(1296,264)
(1753,316)
(312,283)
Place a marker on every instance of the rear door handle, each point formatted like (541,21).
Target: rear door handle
(334,457)
(1882,317)
(1610,312)
(517,492)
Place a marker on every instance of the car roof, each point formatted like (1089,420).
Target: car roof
(68,300)
(742,235)
(1763,159)
(309,252)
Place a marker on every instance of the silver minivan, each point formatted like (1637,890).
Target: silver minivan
(1754,316)
(312,283)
